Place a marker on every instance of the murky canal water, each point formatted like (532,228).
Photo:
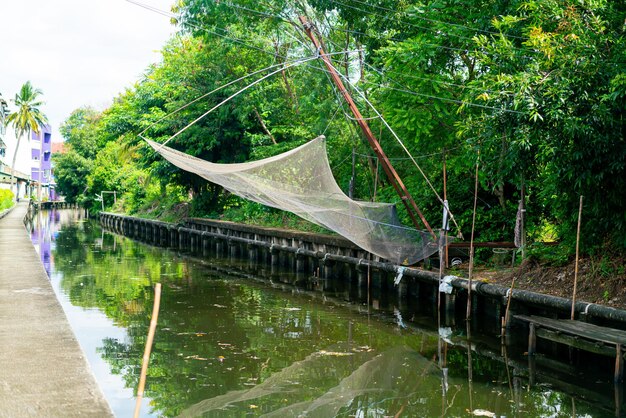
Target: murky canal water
(229,343)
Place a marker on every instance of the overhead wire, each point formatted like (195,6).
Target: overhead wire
(457,25)
(461,50)
(432,154)
(171,15)
(283,67)
(221,35)
(393,133)
(432,80)
(386,17)
(405,89)
(437,32)
(248,45)
(211,92)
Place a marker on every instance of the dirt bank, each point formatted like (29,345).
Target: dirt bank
(600,280)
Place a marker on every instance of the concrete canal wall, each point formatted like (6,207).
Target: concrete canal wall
(323,256)
(43,371)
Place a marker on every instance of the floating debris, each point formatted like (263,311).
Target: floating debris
(196,357)
(334,353)
(483,413)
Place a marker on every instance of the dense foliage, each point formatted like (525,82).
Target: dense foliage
(533,91)
(6,199)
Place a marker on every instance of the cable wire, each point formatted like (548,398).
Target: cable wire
(399,141)
(457,25)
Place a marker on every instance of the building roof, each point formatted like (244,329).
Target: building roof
(58,147)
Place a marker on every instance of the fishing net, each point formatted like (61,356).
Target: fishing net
(301,181)
(304,389)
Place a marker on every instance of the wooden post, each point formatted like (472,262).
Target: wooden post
(619,364)
(505,323)
(532,339)
(471,260)
(619,398)
(532,367)
(522,226)
(445,207)
(580,210)
(146,353)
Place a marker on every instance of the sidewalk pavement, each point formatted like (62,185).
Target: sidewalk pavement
(43,371)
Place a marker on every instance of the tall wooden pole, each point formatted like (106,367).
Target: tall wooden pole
(580,211)
(445,207)
(146,354)
(471,260)
(391,173)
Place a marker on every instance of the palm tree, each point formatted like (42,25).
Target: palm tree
(27,118)
(4,114)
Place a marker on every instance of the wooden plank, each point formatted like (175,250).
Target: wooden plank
(576,342)
(581,329)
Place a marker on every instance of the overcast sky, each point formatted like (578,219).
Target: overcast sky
(78,52)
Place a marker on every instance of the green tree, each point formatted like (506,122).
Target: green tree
(71,172)
(568,139)
(28,117)
(81,132)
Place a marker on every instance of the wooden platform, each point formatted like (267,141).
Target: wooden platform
(578,334)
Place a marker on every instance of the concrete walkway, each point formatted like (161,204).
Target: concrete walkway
(43,371)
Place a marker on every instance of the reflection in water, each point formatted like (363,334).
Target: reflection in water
(230,343)
(44,227)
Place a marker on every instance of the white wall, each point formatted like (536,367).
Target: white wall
(23,161)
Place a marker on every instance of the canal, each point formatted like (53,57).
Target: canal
(241,340)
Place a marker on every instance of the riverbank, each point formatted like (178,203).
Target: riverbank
(44,371)
(600,280)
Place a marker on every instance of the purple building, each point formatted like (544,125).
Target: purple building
(41,162)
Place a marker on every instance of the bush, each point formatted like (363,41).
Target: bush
(6,199)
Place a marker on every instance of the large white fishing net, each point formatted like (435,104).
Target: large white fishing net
(301,181)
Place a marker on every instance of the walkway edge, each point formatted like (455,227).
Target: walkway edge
(43,370)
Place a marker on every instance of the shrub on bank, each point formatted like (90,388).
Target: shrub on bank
(6,199)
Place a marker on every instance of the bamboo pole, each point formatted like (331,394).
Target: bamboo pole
(580,211)
(394,179)
(470,369)
(445,199)
(508,307)
(471,260)
(146,353)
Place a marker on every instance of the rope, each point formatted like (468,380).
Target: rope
(282,68)
(401,144)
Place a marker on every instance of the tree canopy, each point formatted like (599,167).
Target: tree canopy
(532,90)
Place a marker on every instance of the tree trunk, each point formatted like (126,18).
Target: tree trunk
(17,147)
(267,131)
(280,59)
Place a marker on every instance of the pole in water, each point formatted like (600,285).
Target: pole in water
(505,322)
(146,353)
(471,260)
(580,211)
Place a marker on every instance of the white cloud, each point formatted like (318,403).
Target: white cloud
(79,52)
